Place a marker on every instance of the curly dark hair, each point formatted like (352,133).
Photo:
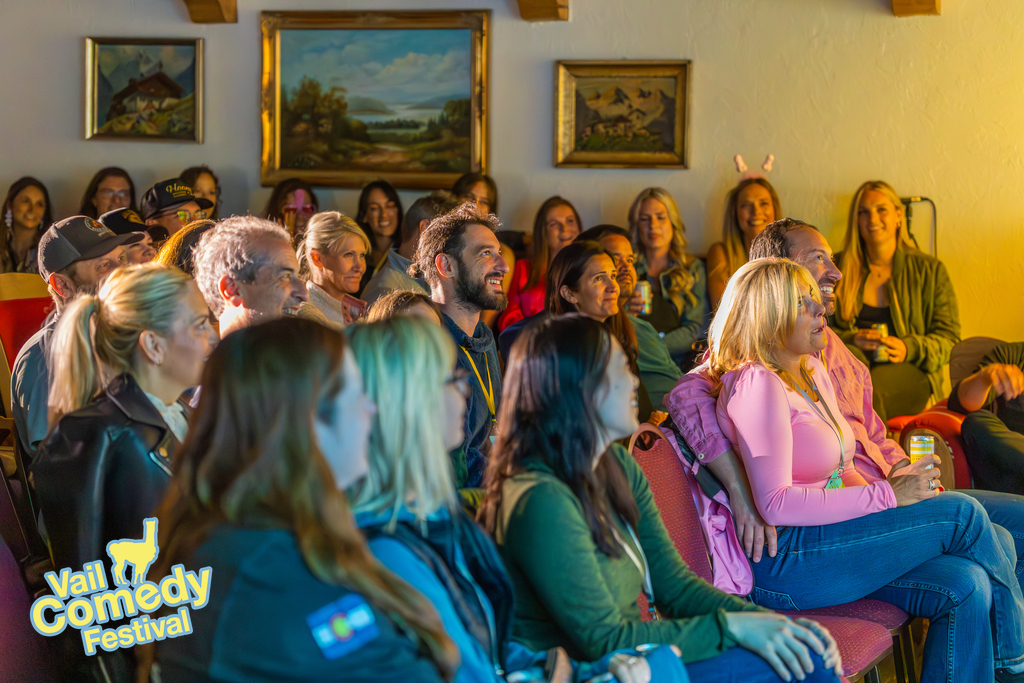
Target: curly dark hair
(446,235)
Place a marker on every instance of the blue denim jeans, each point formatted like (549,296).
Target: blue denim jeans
(942,559)
(743,666)
(1005,510)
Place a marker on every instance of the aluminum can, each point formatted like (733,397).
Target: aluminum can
(882,352)
(643,288)
(920,446)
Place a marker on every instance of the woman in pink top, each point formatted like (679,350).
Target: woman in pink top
(557,224)
(841,538)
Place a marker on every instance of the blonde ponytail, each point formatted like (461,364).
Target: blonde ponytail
(96,336)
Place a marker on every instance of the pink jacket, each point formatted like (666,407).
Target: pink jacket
(693,411)
(522,303)
(789,450)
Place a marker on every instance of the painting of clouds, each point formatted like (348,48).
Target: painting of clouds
(367,100)
(144,90)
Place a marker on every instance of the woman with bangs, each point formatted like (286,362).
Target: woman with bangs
(679,302)
(886,280)
(280,432)
(332,260)
(779,410)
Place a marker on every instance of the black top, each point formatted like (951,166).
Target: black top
(873,315)
(1010,412)
(663,316)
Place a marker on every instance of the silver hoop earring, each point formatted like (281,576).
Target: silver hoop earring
(9,219)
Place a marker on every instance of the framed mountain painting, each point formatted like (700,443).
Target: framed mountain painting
(622,114)
(350,97)
(144,89)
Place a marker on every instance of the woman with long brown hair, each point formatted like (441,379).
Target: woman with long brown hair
(281,430)
(27,214)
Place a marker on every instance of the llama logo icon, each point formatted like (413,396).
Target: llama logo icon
(140,554)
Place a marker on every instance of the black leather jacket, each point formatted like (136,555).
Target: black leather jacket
(101,471)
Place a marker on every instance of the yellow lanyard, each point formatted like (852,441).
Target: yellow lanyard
(489,391)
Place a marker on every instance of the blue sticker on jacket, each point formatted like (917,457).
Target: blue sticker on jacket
(343,626)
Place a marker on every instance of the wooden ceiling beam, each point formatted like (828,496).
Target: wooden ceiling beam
(909,8)
(544,10)
(212,11)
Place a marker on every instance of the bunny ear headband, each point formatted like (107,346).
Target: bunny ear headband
(741,167)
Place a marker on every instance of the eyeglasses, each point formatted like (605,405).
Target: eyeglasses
(460,380)
(186,217)
(110,194)
(305,209)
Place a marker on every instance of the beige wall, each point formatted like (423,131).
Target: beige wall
(839,90)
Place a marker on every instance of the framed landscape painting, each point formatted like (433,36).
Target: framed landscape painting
(144,89)
(622,114)
(350,97)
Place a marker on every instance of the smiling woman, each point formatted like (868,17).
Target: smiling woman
(332,259)
(27,214)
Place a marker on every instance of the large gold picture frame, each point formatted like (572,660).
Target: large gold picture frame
(351,97)
(144,89)
(622,114)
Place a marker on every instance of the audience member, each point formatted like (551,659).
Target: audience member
(780,412)
(658,373)
(332,260)
(749,208)
(279,433)
(178,250)
(993,430)
(75,256)
(886,280)
(380,216)
(27,215)
(124,221)
(205,185)
(292,203)
(111,188)
(575,520)
(679,302)
(557,224)
(404,302)
(169,206)
(121,359)
(394,273)
(459,257)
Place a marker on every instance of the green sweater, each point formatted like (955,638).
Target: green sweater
(924,311)
(569,593)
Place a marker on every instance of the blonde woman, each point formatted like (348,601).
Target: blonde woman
(679,310)
(749,208)
(332,260)
(886,280)
(932,553)
(119,362)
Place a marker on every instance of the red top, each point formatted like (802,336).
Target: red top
(522,303)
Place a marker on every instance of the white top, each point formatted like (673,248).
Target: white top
(173,415)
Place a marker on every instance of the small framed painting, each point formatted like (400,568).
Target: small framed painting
(622,114)
(144,89)
(350,97)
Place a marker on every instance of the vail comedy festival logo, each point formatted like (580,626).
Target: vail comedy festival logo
(84,601)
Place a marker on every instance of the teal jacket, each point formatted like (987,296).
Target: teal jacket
(569,593)
(924,311)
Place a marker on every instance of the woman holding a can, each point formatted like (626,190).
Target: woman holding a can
(679,308)
(896,308)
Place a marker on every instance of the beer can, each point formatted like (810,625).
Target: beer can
(643,288)
(920,446)
(882,352)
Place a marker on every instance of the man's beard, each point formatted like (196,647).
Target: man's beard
(477,295)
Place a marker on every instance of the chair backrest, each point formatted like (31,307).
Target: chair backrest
(672,495)
(966,355)
(24,304)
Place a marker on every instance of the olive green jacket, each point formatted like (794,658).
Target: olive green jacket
(924,311)
(569,593)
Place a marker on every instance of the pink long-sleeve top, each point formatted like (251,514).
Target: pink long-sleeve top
(789,450)
(693,410)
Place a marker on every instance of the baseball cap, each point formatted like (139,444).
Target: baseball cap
(77,239)
(123,221)
(168,195)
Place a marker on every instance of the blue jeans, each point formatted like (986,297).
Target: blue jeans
(737,665)
(1007,511)
(942,559)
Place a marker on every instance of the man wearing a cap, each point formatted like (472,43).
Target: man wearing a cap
(169,205)
(124,221)
(75,256)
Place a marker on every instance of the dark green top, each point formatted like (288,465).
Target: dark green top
(569,593)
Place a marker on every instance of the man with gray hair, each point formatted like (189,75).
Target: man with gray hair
(247,271)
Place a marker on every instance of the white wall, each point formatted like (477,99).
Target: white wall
(839,90)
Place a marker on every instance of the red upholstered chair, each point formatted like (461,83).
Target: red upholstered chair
(24,305)
(866,630)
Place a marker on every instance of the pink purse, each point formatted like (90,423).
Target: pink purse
(729,565)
